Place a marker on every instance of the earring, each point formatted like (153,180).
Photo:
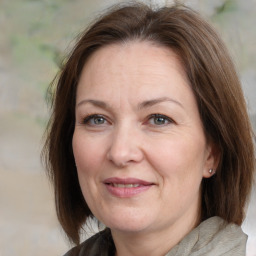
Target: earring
(211,171)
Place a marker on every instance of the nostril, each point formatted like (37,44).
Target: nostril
(124,150)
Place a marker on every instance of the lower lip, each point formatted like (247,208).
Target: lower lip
(126,192)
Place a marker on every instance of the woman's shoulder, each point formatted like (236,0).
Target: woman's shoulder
(101,244)
(213,236)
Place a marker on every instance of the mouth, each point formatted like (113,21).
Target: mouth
(117,185)
(127,187)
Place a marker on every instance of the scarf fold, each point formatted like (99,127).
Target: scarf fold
(213,237)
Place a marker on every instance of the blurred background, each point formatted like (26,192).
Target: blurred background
(35,36)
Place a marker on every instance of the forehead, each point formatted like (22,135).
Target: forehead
(133,60)
(138,54)
(133,72)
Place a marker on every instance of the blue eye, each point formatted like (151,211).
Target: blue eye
(94,120)
(158,119)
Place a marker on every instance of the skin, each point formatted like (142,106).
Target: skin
(125,84)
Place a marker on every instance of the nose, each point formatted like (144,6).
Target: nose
(126,146)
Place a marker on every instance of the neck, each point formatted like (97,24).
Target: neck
(149,243)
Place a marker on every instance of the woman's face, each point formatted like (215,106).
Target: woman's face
(138,143)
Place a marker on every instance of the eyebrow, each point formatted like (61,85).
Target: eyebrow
(97,103)
(144,104)
(150,103)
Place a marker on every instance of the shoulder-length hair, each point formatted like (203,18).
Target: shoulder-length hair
(216,87)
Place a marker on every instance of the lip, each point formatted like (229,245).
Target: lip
(125,192)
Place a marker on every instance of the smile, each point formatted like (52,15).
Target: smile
(124,185)
(127,187)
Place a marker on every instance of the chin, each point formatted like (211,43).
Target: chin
(128,221)
(128,228)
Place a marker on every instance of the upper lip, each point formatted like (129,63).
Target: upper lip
(116,180)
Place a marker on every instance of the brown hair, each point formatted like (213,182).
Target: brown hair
(215,85)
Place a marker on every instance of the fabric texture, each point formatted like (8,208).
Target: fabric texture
(213,237)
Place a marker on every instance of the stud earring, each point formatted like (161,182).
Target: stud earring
(211,171)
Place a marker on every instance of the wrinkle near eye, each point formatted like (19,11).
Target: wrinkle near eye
(159,120)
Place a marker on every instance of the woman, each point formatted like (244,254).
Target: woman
(149,134)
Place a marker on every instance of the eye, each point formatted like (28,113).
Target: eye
(94,120)
(159,120)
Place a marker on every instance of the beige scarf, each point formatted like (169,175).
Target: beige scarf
(213,237)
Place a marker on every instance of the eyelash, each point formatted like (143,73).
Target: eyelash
(88,118)
(165,118)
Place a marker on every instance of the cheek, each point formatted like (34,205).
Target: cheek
(88,160)
(87,154)
(179,158)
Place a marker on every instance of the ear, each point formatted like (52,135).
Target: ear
(212,160)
